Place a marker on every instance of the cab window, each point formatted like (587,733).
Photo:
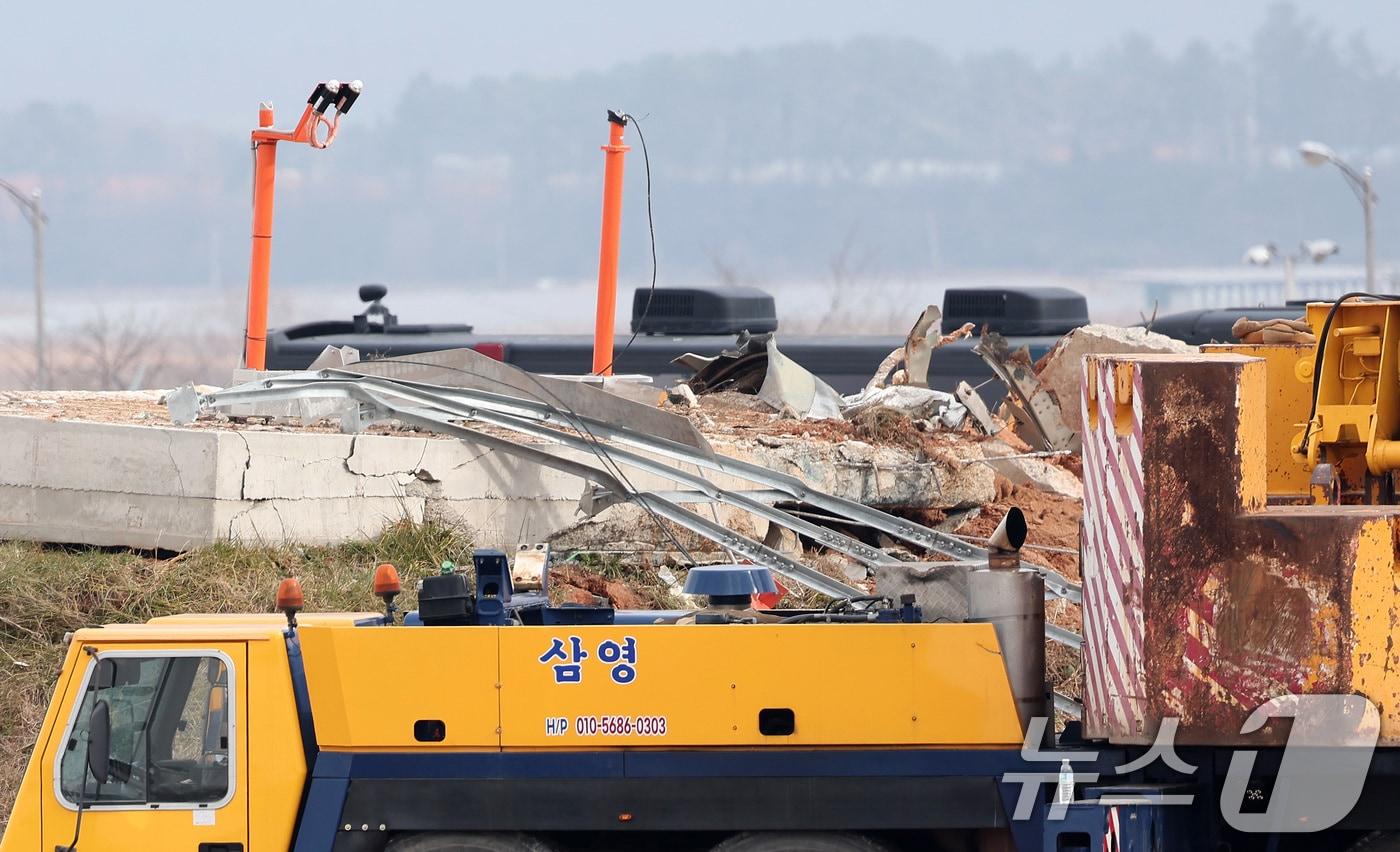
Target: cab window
(170,720)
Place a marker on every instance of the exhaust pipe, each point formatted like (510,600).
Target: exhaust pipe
(1010,535)
(1012,599)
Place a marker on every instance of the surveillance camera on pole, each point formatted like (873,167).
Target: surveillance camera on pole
(332,95)
(1263,254)
(1319,250)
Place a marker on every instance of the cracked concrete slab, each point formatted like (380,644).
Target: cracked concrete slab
(172,488)
(161,486)
(1060,370)
(107,457)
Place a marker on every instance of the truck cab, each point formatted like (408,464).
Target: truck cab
(180,697)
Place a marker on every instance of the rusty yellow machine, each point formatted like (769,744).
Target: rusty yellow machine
(1224,596)
(1351,438)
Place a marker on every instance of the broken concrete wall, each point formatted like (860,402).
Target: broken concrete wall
(1059,371)
(57,478)
(173,488)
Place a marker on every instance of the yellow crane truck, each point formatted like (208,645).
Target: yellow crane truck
(489,720)
(1239,561)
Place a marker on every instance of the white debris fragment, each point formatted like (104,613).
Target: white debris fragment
(683,395)
(915,402)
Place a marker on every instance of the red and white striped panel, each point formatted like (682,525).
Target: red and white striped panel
(1112,842)
(1114,681)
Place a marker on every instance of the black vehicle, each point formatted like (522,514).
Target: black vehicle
(703,321)
(1212,325)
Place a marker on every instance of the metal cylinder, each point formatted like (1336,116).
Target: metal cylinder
(1012,600)
(1006,540)
(614,152)
(264,183)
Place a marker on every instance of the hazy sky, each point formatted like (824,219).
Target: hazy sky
(212,61)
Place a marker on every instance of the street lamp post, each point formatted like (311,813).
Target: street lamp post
(1316,154)
(31,206)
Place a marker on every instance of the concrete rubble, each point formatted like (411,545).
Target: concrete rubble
(116,472)
(876,475)
(1059,371)
(111,469)
(1039,471)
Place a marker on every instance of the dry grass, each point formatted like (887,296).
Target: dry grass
(46,591)
(883,425)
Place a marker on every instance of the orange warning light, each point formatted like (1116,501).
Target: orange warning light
(386,580)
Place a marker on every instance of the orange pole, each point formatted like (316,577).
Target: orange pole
(613,154)
(330,95)
(264,178)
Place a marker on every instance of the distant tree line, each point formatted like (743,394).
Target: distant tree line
(766,164)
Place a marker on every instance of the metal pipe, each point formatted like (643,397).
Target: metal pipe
(1368,201)
(1006,540)
(41,349)
(264,182)
(1012,599)
(32,208)
(613,154)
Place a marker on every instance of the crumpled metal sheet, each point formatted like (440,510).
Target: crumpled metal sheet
(917,352)
(740,369)
(1029,402)
(467,368)
(788,384)
(967,395)
(919,346)
(757,366)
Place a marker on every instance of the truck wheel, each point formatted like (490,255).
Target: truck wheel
(1377,841)
(445,842)
(798,841)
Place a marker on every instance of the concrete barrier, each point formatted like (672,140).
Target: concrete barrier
(172,488)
